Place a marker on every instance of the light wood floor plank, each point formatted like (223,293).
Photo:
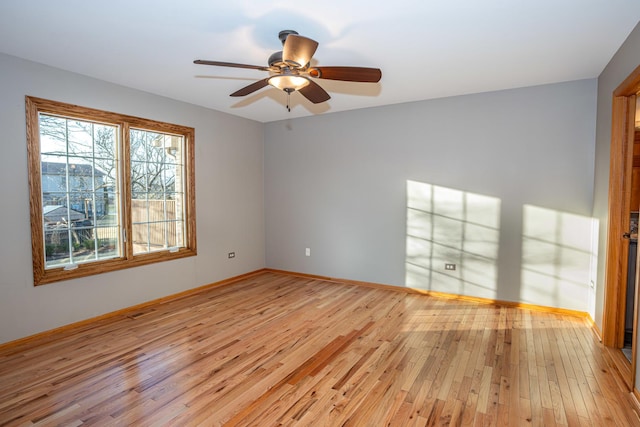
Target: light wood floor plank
(279,350)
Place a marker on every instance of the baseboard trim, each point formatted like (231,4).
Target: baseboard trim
(87,323)
(620,365)
(594,327)
(443,295)
(635,399)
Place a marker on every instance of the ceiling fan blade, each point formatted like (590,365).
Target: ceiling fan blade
(314,93)
(347,74)
(251,88)
(230,64)
(298,50)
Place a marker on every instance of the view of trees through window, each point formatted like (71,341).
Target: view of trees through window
(81,188)
(107,191)
(156,190)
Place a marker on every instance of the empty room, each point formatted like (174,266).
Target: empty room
(340,214)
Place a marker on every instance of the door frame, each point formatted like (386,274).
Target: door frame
(621,166)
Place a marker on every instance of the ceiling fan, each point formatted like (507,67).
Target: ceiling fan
(291,70)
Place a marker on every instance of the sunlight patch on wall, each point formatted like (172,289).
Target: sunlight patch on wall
(557,258)
(448,226)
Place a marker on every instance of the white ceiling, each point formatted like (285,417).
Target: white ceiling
(425,48)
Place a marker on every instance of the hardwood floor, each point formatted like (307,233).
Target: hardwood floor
(276,349)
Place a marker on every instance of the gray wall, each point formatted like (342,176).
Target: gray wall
(498,183)
(229,203)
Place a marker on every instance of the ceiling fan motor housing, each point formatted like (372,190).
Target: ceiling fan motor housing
(282,35)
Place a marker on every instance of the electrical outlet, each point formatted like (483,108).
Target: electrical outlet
(232,254)
(449,266)
(307,251)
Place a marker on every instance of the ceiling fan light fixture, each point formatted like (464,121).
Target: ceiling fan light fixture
(287,82)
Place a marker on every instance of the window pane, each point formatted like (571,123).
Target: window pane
(81,207)
(157,236)
(156,208)
(140,238)
(139,209)
(107,238)
(54,173)
(138,176)
(156,179)
(105,137)
(106,174)
(83,243)
(176,235)
(138,146)
(149,217)
(80,138)
(53,135)
(52,202)
(106,209)
(56,244)
(175,206)
(79,187)
(80,176)
(170,172)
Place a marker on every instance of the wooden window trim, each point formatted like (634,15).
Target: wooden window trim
(42,276)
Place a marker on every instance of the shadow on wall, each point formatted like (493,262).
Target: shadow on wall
(452,226)
(448,226)
(559,255)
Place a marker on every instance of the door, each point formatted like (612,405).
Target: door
(620,311)
(630,294)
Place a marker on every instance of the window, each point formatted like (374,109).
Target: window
(108,191)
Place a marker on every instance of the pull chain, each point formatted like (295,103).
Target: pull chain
(288,92)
